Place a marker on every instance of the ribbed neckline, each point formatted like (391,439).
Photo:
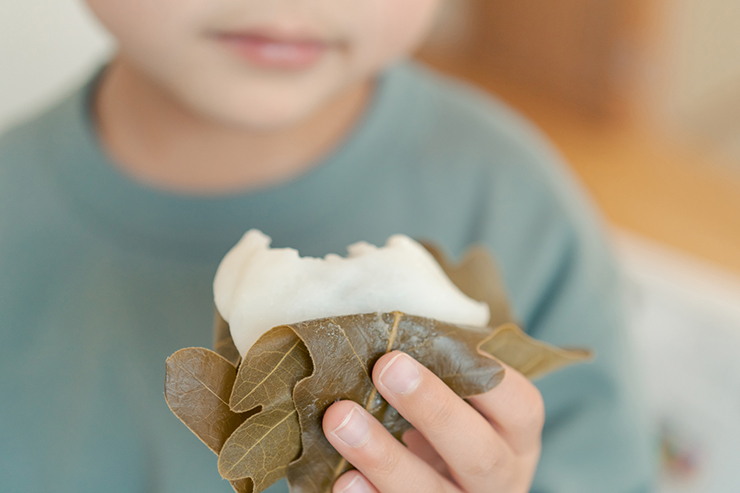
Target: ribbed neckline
(201,227)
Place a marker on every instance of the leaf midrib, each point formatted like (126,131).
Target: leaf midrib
(258,442)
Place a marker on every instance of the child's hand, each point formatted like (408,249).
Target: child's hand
(491,443)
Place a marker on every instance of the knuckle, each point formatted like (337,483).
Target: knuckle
(384,463)
(486,465)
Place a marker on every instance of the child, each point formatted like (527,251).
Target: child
(302,119)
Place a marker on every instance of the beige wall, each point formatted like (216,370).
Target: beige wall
(694,81)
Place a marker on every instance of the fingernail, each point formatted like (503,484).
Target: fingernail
(401,375)
(353,430)
(357,485)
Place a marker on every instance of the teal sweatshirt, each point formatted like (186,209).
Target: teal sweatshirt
(102,278)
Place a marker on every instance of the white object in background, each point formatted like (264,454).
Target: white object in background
(687,332)
(46,48)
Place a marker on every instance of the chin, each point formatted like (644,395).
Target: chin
(248,118)
(270,118)
(261,107)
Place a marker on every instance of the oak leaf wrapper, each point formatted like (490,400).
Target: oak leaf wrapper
(262,415)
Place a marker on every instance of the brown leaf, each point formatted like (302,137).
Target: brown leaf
(477,276)
(528,356)
(344,350)
(271,369)
(223,344)
(267,442)
(262,447)
(197,387)
(242,485)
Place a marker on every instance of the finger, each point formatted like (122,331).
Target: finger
(353,482)
(421,447)
(478,458)
(382,459)
(516,409)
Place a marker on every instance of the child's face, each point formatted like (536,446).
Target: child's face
(262,63)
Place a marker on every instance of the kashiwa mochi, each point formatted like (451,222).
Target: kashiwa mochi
(308,331)
(258,287)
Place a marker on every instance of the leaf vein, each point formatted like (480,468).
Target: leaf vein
(259,442)
(205,386)
(271,372)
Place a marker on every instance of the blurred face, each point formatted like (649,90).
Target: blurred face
(262,63)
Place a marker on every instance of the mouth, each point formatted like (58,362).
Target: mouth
(276,51)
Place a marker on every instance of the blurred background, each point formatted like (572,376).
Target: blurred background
(642,97)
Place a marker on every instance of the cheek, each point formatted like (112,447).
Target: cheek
(131,21)
(151,30)
(390,29)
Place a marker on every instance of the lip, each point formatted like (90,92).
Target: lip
(266,49)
